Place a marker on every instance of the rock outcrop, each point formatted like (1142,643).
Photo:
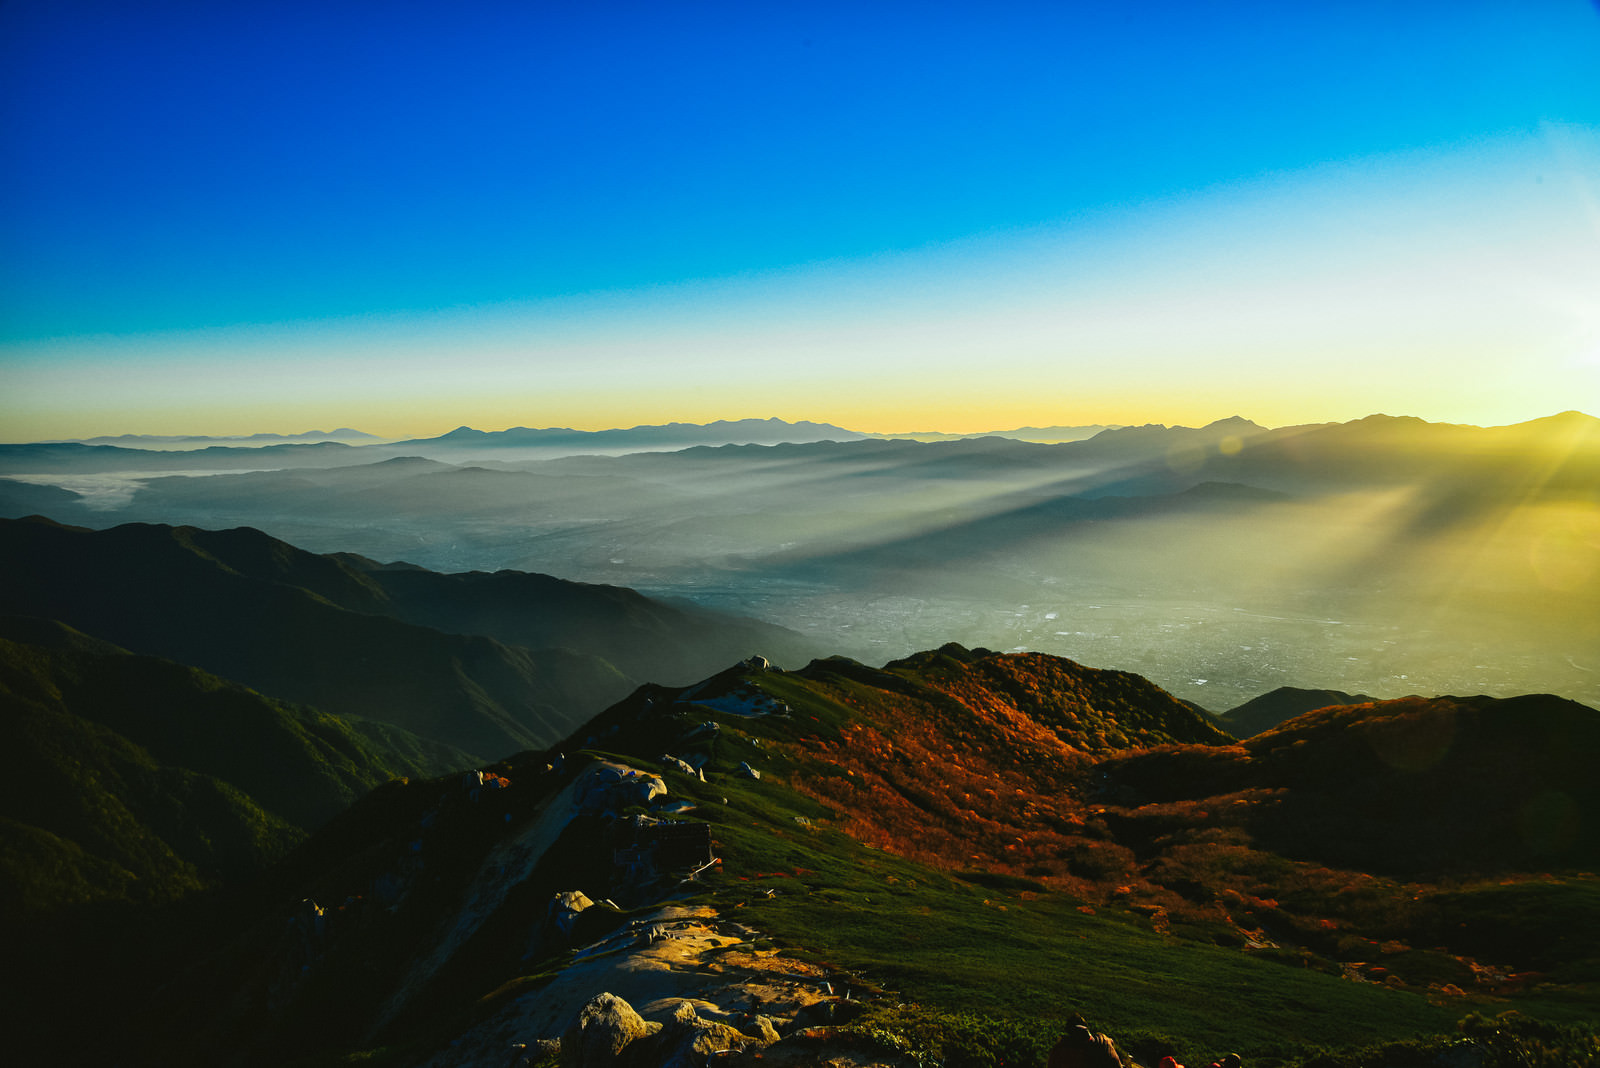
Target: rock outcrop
(608,1033)
(605,1027)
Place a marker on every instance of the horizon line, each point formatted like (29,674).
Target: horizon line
(392,439)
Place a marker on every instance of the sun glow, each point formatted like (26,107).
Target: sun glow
(1453,286)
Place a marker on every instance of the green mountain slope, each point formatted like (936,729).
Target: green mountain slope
(644,637)
(488,662)
(301,763)
(90,816)
(233,603)
(132,776)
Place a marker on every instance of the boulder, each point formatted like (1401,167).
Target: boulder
(565,907)
(643,789)
(672,763)
(687,1041)
(603,1029)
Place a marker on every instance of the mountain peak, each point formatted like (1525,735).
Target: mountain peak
(1236,424)
(1568,424)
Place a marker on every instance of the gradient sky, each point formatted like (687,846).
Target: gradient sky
(236,217)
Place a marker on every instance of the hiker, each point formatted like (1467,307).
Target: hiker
(1083,1048)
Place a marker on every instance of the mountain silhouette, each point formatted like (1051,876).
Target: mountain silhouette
(1435,785)
(641,438)
(316,630)
(345,447)
(1286,702)
(195,441)
(642,637)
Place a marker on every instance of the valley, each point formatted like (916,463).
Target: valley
(1390,556)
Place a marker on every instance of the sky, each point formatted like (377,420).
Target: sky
(250,217)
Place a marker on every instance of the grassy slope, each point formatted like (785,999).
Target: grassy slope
(133,776)
(128,785)
(1014,948)
(91,816)
(1011,949)
(232,602)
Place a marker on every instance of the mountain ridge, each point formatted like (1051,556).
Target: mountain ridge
(69,456)
(1270,709)
(930,875)
(314,629)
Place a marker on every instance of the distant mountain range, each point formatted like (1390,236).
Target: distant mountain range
(639,438)
(464,444)
(1471,541)
(133,453)
(201,441)
(1357,449)
(1045,435)
(642,438)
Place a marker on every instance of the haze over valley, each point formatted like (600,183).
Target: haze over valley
(1385,555)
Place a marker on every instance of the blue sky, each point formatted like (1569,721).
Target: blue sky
(238,217)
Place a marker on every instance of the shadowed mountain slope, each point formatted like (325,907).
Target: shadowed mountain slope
(230,602)
(91,817)
(644,637)
(490,663)
(145,778)
(1416,787)
(1435,785)
(1286,702)
(24,498)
